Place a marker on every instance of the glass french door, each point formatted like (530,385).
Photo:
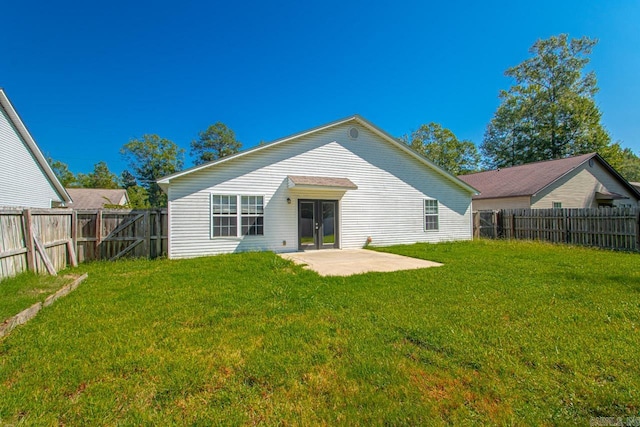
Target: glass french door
(317,224)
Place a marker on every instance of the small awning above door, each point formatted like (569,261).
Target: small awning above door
(601,195)
(320,183)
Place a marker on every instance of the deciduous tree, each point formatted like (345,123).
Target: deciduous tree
(442,147)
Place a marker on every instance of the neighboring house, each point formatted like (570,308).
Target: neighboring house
(97,198)
(26,179)
(585,181)
(340,185)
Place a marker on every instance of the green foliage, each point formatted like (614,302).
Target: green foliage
(443,148)
(215,142)
(629,166)
(253,339)
(101,177)
(62,172)
(138,197)
(550,112)
(151,158)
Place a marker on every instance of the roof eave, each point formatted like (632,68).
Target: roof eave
(166,181)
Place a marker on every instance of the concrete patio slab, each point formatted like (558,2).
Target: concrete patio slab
(345,262)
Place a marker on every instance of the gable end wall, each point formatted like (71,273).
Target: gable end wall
(387,206)
(577,189)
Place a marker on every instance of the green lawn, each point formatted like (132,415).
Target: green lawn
(20,292)
(503,333)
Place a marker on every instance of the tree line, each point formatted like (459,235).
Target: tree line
(149,158)
(548,113)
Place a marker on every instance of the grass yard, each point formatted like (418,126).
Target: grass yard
(503,333)
(18,293)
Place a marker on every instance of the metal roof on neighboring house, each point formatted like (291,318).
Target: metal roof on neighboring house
(531,178)
(96,198)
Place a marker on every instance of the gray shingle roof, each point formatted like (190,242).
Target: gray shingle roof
(96,198)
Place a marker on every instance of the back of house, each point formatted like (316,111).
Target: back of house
(340,185)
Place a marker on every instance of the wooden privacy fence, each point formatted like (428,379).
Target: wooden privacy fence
(47,240)
(611,228)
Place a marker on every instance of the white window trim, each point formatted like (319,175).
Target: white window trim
(553,205)
(424,215)
(239,216)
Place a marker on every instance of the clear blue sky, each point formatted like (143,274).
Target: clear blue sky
(86,77)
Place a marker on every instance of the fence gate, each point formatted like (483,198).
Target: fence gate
(113,234)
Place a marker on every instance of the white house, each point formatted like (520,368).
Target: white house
(339,185)
(26,179)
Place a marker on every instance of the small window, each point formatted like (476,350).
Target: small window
(431,215)
(557,205)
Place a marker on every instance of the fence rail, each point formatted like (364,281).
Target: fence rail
(47,240)
(611,228)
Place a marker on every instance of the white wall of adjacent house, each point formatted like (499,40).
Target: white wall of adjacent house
(22,182)
(387,206)
(578,189)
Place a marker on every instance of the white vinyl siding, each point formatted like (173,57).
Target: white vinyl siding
(22,182)
(387,206)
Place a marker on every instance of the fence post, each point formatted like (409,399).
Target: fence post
(98,250)
(28,240)
(158,221)
(147,232)
(637,229)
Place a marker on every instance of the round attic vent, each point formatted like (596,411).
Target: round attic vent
(353,133)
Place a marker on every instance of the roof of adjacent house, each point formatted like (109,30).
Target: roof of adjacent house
(22,130)
(531,178)
(96,198)
(165,181)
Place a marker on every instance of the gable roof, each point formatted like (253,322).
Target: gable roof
(96,198)
(31,145)
(531,178)
(165,181)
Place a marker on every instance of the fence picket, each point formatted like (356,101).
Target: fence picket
(612,228)
(70,236)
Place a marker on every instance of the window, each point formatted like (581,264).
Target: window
(557,205)
(225,215)
(252,216)
(430,215)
